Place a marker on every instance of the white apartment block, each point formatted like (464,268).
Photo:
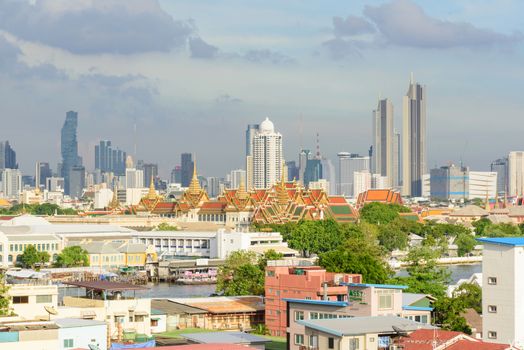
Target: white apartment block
(267,156)
(503,290)
(516,173)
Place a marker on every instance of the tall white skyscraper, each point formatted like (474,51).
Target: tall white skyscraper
(267,156)
(362,181)
(397,165)
(383,140)
(348,164)
(134,177)
(516,173)
(236,177)
(414,140)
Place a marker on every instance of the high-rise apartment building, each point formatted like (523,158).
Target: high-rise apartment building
(383,140)
(213,186)
(69,148)
(414,140)
(186,161)
(251,131)
(268,162)
(348,164)
(7,156)
(500,166)
(329,174)
(108,159)
(11,182)
(449,182)
(516,173)
(361,182)
(236,177)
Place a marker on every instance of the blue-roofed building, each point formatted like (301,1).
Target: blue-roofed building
(362,300)
(503,290)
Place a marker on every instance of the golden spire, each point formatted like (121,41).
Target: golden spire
(496,200)
(282,195)
(194,186)
(241,192)
(152,192)
(114,202)
(505,199)
(487,201)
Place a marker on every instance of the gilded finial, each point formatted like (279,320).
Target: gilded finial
(114,202)
(487,201)
(152,191)
(194,186)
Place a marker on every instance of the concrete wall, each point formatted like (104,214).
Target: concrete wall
(83,336)
(33,309)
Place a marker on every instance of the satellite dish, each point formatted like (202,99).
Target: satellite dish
(400,331)
(51,310)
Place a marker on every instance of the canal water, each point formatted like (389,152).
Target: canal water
(166,290)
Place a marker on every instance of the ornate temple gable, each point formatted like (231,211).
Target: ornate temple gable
(150,200)
(194,196)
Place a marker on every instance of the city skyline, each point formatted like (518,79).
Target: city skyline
(324,67)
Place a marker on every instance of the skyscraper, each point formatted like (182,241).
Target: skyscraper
(313,171)
(516,173)
(108,159)
(267,156)
(292,170)
(42,172)
(397,166)
(500,166)
(186,161)
(11,181)
(329,174)
(176,174)
(251,130)
(237,176)
(7,156)
(383,140)
(150,172)
(77,178)
(414,139)
(303,157)
(348,164)
(69,148)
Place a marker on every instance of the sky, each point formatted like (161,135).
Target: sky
(192,74)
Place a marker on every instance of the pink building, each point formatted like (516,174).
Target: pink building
(300,282)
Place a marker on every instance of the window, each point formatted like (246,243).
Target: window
(299,315)
(154,322)
(353,344)
(44,298)
(21,300)
(492,308)
(492,280)
(313,341)
(299,339)
(308,298)
(140,318)
(492,335)
(385,301)
(331,343)
(68,343)
(313,315)
(424,319)
(131,318)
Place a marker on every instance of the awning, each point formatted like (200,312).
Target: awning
(119,313)
(141,313)
(155,318)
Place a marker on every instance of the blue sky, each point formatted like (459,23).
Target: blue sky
(192,74)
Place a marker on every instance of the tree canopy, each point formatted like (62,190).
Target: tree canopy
(164,226)
(47,209)
(243,273)
(380,213)
(31,257)
(72,256)
(4,298)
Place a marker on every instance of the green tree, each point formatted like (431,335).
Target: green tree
(31,257)
(358,255)
(243,273)
(164,226)
(380,213)
(316,237)
(502,230)
(4,298)
(447,315)
(465,243)
(425,276)
(470,295)
(481,225)
(393,236)
(72,257)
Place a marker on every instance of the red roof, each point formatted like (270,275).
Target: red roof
(215,346)
(425,339)
(337,200)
